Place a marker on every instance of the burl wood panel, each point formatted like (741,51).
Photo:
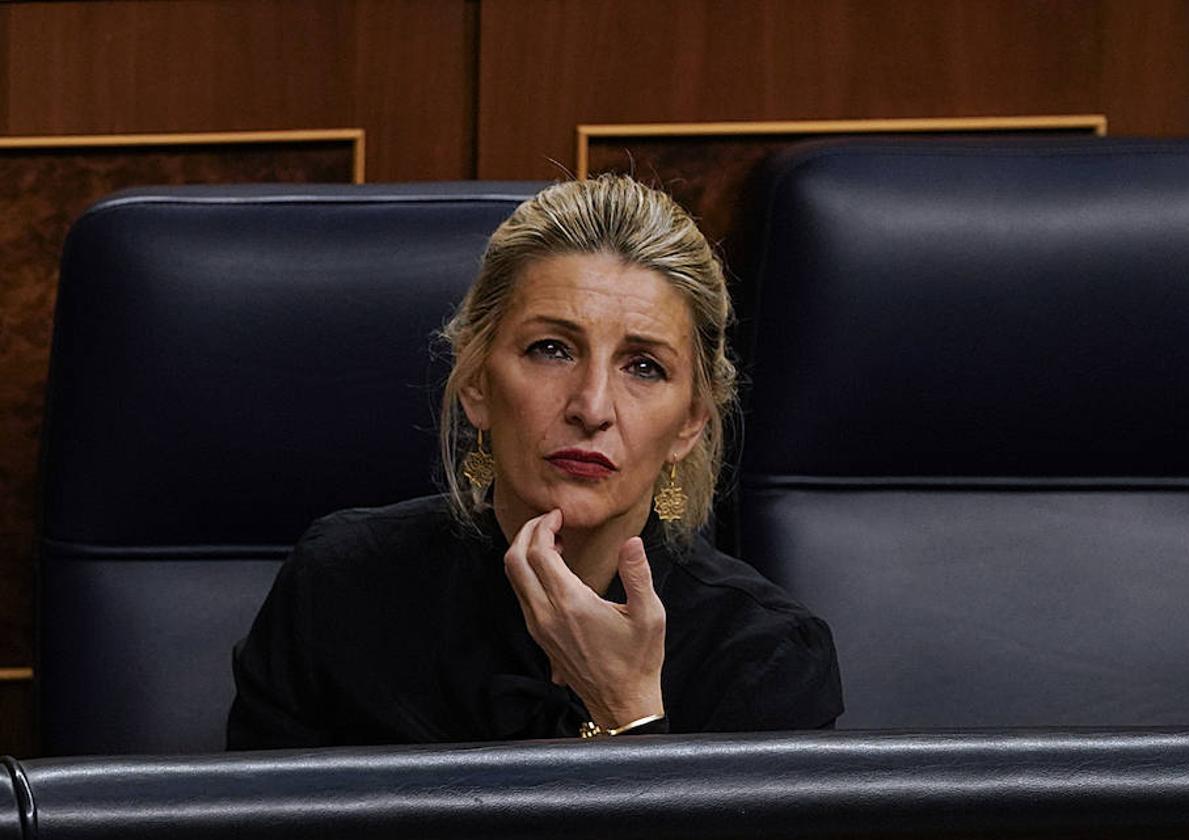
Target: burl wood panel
(400,69)
(41,192)
(548,65)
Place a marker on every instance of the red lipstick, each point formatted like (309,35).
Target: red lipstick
(582,463)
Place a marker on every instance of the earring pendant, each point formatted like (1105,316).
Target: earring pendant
(479,466)
(670,501)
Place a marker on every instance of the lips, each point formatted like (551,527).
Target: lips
(582,463)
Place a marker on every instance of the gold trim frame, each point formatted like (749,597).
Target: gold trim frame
(1090,123)
(355,136)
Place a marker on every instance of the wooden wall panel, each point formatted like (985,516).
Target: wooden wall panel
(400,69)
(1145,56)
(5,14)
(546,66)
(414,87)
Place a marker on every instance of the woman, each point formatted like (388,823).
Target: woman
(559,588)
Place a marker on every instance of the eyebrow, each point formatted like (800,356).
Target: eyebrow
(649,341)
(556,322)
(571,326)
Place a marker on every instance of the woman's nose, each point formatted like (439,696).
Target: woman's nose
(591,404)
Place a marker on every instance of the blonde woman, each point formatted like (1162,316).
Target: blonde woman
(559,588)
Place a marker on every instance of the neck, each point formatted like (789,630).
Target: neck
(590,553)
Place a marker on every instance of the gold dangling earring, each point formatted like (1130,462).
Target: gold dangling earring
(669,502)
(479,466)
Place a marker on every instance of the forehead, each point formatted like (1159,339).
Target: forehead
(601,291)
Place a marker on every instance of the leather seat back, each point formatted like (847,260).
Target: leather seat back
(966,442)
(228,364)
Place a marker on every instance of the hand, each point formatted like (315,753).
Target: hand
(610,654)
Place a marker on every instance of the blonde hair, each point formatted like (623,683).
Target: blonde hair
(611,214)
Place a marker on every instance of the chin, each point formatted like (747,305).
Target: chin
(581,511)
(582,518)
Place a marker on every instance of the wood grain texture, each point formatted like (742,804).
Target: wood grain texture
(5,27)
(400,69)
(414,87)
(1145,55)
(547,65)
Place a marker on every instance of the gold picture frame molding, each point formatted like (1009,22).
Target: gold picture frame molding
(1095,123)
(354,136)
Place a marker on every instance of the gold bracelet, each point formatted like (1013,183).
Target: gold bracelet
(590,729)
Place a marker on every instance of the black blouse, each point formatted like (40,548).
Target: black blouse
(397,625)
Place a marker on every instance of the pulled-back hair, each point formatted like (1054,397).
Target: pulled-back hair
(616,215)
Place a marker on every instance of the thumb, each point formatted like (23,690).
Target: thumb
(636,576)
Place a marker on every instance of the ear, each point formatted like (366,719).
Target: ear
(691,429)
(473,396)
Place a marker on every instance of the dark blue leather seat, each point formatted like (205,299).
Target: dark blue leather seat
(228,364)
(966,441)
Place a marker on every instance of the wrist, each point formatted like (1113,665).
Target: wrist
(620,714)
(648,723)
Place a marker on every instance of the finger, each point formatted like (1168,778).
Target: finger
(521,541)
(551,570)
(525,583)
(528,590)
(636,575)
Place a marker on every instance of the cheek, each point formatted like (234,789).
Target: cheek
(527,407)
(652,429)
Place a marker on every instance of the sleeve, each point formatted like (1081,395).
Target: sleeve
(796,686)
(278,702)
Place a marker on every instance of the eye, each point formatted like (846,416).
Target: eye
(647,368)
(550,348)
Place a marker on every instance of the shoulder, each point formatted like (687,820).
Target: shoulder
(364,551)
(356,587)
(427,512)
(749,615)
(358,533)
(713,580)
(356,572)
(771,659)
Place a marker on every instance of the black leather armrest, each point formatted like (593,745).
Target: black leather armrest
(11,826)
(1039,783)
